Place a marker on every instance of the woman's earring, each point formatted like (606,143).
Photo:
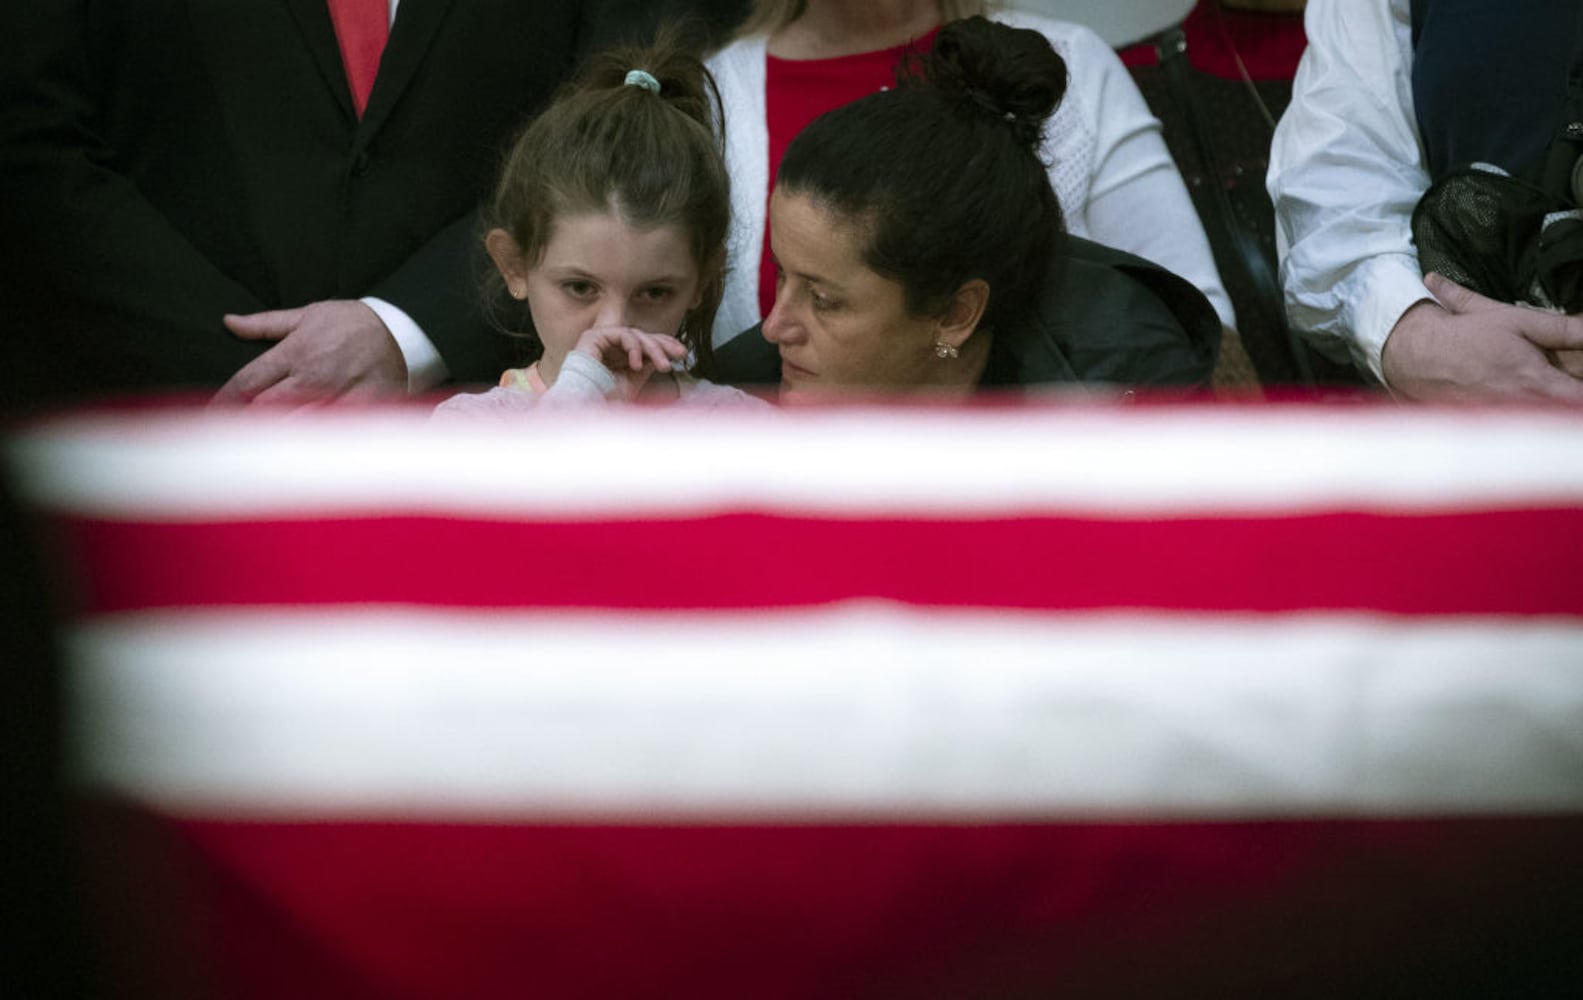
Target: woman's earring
(944,350)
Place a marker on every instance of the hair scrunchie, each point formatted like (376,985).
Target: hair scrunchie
(642,78)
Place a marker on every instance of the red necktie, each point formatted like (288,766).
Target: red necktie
(361,27)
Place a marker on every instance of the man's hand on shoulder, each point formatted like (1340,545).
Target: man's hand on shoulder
(1466,347)
(324,351)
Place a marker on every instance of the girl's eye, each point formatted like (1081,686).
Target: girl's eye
(578,289)
(823,303)
(657,294)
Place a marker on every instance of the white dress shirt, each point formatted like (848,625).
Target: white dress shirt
(1347,168)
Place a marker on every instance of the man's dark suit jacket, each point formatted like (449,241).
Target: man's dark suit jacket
(163,162)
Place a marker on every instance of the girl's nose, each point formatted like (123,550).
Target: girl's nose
(612,312)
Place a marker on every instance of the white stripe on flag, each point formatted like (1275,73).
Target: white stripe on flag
(647,461)
(862,711)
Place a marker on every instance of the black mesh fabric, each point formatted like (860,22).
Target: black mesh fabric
(1502,237)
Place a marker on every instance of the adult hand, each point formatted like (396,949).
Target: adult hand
(1470,348)
(1570,362)
(326,350)
(631,355)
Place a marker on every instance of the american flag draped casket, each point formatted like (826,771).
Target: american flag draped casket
(1011,701)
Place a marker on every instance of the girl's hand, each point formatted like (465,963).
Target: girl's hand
(631,355)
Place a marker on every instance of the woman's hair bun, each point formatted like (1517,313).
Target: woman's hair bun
(1010,73)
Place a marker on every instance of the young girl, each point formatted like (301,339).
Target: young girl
(608,229)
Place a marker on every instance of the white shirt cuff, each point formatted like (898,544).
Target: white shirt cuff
(425,368)
(1388,288)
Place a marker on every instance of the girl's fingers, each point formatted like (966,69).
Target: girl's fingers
(659,352)
(666,350)
(640,347)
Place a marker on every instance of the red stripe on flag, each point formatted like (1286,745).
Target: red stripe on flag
(1481,562)
(1433,907)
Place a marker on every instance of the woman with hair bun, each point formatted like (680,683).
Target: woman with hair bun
(1106,158)
(919,246)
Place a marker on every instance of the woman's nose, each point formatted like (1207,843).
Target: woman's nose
(779,325)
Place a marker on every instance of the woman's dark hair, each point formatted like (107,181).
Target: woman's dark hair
(944,171)
(655,159)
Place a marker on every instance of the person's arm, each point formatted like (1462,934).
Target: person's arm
(440,290)
(1112,317)
(1137,200)
(739,70)
(117,286)
(1346,170)
(582,381)
(331,349)
(425,367)
(612,363)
